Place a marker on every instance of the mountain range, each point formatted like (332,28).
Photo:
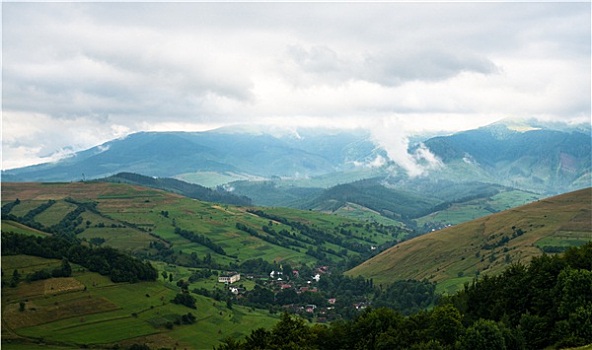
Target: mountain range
(537,157)
(470,174)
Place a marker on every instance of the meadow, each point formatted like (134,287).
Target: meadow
(130,217)
(90,310)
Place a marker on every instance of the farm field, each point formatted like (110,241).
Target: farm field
(130,218)
(90,310)
(471,210)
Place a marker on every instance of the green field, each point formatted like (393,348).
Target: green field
(474,209)
(55,213)
(61,313)
(11,226)
(130,218)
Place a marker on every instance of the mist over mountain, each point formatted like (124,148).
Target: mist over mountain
(523,154)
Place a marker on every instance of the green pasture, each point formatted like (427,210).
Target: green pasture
(26,264)
(565,239)
(96,219)
(454,215)
(25,206)
(54,214)
(512,199)
(357,212)
(141,212)
(452,285)
(127,239)
(474,209)
(11,226)
(108,313)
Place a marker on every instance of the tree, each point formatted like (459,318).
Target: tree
(185,299)
(483,335)
(290,333)
(16,278)
(446,326)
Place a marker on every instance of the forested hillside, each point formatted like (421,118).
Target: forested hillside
(181,187)
(547,303)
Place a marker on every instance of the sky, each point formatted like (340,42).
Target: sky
(75,75)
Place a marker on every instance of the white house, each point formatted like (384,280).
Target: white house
(229,278)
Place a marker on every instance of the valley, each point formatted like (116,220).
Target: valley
(322,227)
(190,243)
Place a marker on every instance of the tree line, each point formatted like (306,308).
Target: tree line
(545,304)
(107,261)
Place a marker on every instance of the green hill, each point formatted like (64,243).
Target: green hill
(181,187)
(181,237)
(166,226)
(458,254)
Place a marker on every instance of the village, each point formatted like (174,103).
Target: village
(295,293)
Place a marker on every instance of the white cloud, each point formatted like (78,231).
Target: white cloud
(116,68)
(390,134)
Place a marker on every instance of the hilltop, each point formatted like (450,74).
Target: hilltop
(458,254)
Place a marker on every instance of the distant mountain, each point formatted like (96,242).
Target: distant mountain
(232,154)
(181,187)
(458,254)
(422,205)
(527,157)
(524,154)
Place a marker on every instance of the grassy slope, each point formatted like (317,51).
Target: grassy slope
(476,208)
(120,203)
(60,312)
(455,255)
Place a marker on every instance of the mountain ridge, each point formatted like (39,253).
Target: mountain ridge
(547,160)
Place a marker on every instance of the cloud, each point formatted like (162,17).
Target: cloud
(390,134)
(187,66)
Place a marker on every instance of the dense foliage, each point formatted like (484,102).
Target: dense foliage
(118,266)
(548,303)
(68,226)
(187,189)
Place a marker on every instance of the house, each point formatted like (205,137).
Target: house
(360,306)
(272,274)
(229,278)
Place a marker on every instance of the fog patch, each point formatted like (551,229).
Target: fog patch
(390,134)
